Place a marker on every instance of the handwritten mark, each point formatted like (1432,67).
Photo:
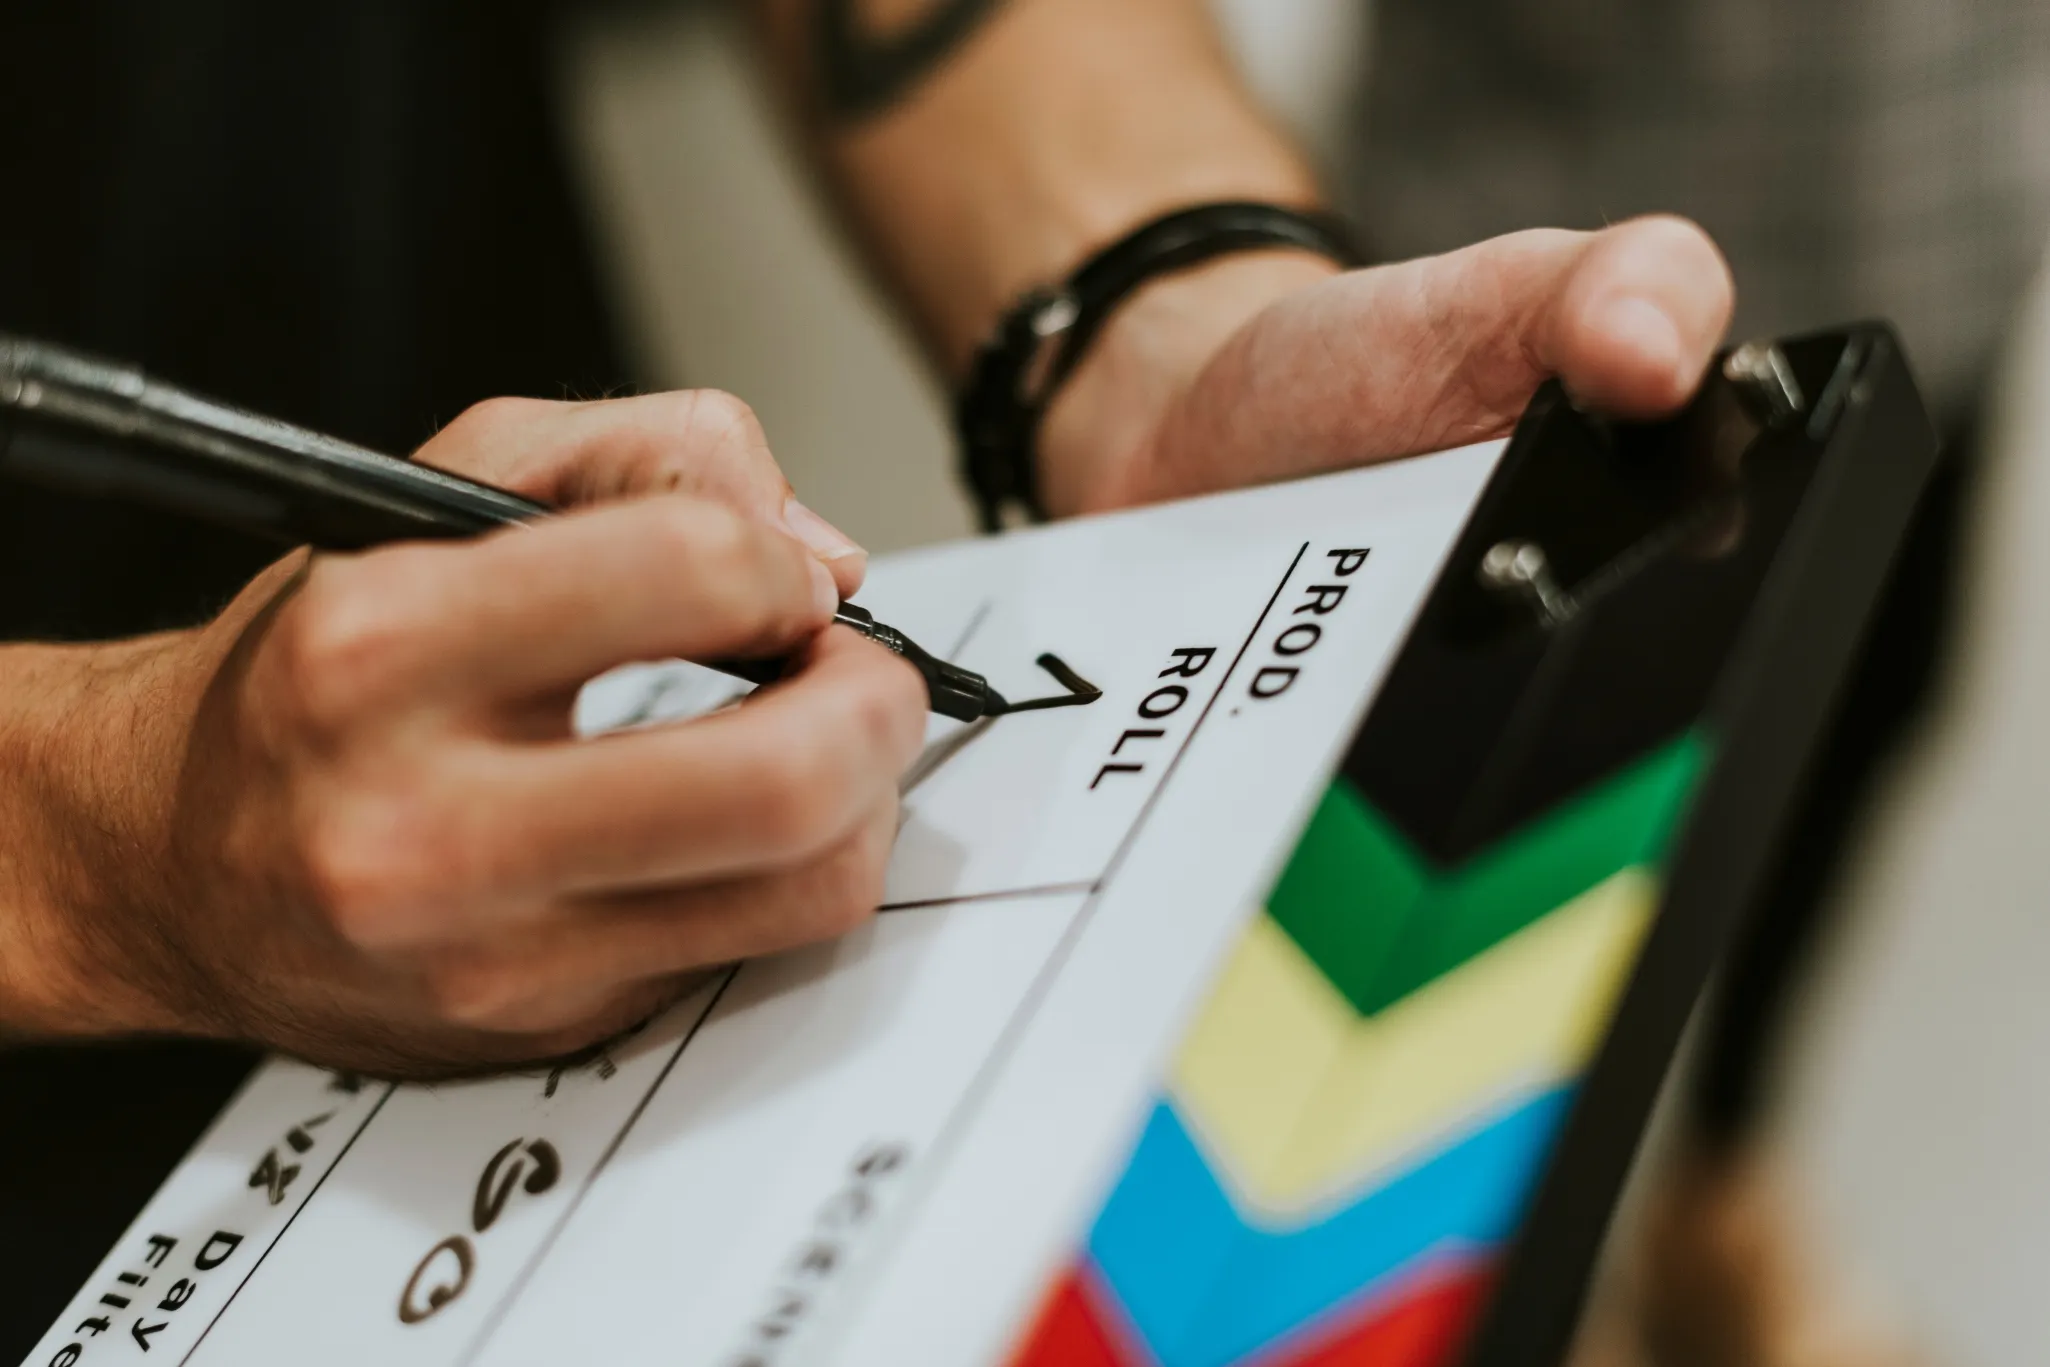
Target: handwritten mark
(1080,692)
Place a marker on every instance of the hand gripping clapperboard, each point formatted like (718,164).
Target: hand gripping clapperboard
(1422,1075)
(1393,1130)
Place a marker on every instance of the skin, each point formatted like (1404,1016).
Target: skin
(346,818)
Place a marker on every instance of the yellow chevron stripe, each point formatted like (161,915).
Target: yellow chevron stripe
(1267,1038)
(1299,1096)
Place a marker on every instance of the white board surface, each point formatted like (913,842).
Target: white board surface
(873,1151)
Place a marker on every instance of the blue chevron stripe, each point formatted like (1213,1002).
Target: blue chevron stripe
(1204,1288)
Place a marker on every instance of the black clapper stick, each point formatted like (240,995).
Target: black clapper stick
(76,423)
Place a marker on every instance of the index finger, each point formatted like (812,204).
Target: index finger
(739,792)
(704,443)
(535,609)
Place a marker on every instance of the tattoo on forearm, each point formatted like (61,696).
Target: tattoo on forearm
(862,73)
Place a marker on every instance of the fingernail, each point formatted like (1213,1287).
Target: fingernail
(1645,328)
(827,542)
(825,594)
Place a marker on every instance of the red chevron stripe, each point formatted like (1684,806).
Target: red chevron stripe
(1074,1330)
(1424,1328)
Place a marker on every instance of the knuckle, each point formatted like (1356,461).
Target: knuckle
(866,867)
(800,798)
(720,417)
(843,911)
(849,886)
(376,869)
(477,992)
(357,884)
(816,774)
(333,648)
(885,706)
(502,440)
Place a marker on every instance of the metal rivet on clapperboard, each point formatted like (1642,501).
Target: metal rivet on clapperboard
(1761,373)
(1521,568)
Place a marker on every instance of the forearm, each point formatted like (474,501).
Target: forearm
(80,733)
(1048,128)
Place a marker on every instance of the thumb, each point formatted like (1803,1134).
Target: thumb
(1447,350)
(700,442)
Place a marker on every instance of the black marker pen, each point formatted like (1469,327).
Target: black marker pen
(73,422)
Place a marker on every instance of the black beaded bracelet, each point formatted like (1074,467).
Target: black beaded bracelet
(1038,343)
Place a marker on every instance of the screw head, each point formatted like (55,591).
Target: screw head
(1513,563)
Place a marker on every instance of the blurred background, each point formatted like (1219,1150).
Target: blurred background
(1909,1119)
(1854,156)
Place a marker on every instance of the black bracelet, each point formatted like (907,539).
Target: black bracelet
(1038,343)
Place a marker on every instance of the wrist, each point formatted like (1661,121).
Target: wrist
(1066,123)
(88,770)
(1103,421)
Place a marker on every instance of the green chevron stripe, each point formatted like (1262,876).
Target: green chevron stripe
(1348,891)
(1379,923)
